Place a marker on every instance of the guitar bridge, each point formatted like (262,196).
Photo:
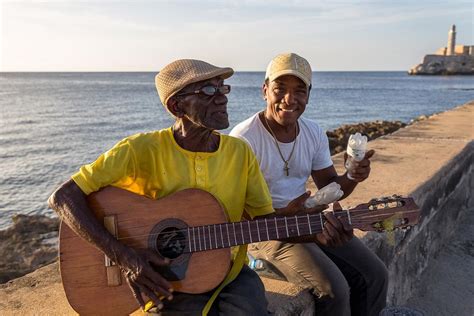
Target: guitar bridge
(109,262)
(114,277)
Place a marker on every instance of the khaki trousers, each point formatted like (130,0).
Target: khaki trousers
(347,280)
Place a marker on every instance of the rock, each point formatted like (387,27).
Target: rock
(339,137)
(31,242)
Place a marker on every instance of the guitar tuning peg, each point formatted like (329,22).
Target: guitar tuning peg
(373,207)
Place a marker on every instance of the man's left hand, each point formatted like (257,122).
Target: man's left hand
(336,232)
(362,169)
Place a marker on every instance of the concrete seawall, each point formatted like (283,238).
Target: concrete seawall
(442,199)
(430,160)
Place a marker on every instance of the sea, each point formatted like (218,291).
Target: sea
(52,123)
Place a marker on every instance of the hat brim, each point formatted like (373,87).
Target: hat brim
(224,73)
(290,72)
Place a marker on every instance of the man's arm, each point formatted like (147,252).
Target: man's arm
(71,205)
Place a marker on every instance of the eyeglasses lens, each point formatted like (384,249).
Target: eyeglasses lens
(212,90)
(208,90)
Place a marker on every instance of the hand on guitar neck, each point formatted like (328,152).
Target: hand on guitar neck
(335,233)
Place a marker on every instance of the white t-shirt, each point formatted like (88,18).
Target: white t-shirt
(311,153)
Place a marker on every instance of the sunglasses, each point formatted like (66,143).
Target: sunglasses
(209,90)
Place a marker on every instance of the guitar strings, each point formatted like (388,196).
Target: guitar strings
(271,221)
(204,229)
(202,232)
(253,230)
(204,238)
(226,242)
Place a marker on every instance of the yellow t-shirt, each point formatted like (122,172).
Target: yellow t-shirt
(154,165)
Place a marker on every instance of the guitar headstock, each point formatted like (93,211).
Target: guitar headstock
(385,214)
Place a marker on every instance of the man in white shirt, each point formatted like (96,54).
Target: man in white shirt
(345,276)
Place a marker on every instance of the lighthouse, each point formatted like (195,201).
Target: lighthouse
(451,60)
(451,41)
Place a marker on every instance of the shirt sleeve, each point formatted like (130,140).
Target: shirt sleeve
(322,156)
(112,166)
(258,199)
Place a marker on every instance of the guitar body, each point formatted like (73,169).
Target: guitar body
(137,219)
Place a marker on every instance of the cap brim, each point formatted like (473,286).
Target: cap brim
(289,72)
(224,73)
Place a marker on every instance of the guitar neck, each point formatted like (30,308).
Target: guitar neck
(202,238)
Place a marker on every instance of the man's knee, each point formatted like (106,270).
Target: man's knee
(377,279)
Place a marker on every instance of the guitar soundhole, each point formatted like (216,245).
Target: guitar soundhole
(170,242)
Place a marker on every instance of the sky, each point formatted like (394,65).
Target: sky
(244,34)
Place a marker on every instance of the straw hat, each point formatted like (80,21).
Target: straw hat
(289,64)
(182,72)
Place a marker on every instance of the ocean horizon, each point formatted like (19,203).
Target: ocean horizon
(54,122)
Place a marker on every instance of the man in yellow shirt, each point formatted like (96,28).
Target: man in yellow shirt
(190,154)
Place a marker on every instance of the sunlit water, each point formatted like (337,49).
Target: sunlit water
(52,123)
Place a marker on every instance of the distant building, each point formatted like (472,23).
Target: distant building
(452,49)
(450,60)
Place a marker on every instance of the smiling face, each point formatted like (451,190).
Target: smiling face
(286,98)
(202,110)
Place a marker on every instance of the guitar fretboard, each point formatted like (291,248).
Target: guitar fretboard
(202,238)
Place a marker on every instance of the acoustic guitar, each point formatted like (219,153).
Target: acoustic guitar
(190,228)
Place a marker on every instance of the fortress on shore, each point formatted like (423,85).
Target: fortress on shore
(451,60)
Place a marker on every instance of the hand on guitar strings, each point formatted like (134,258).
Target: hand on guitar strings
(336,232)
(137,266)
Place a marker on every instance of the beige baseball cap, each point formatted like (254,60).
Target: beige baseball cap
(182,72)
(289,64)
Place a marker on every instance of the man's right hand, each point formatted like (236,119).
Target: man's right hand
(137,266)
